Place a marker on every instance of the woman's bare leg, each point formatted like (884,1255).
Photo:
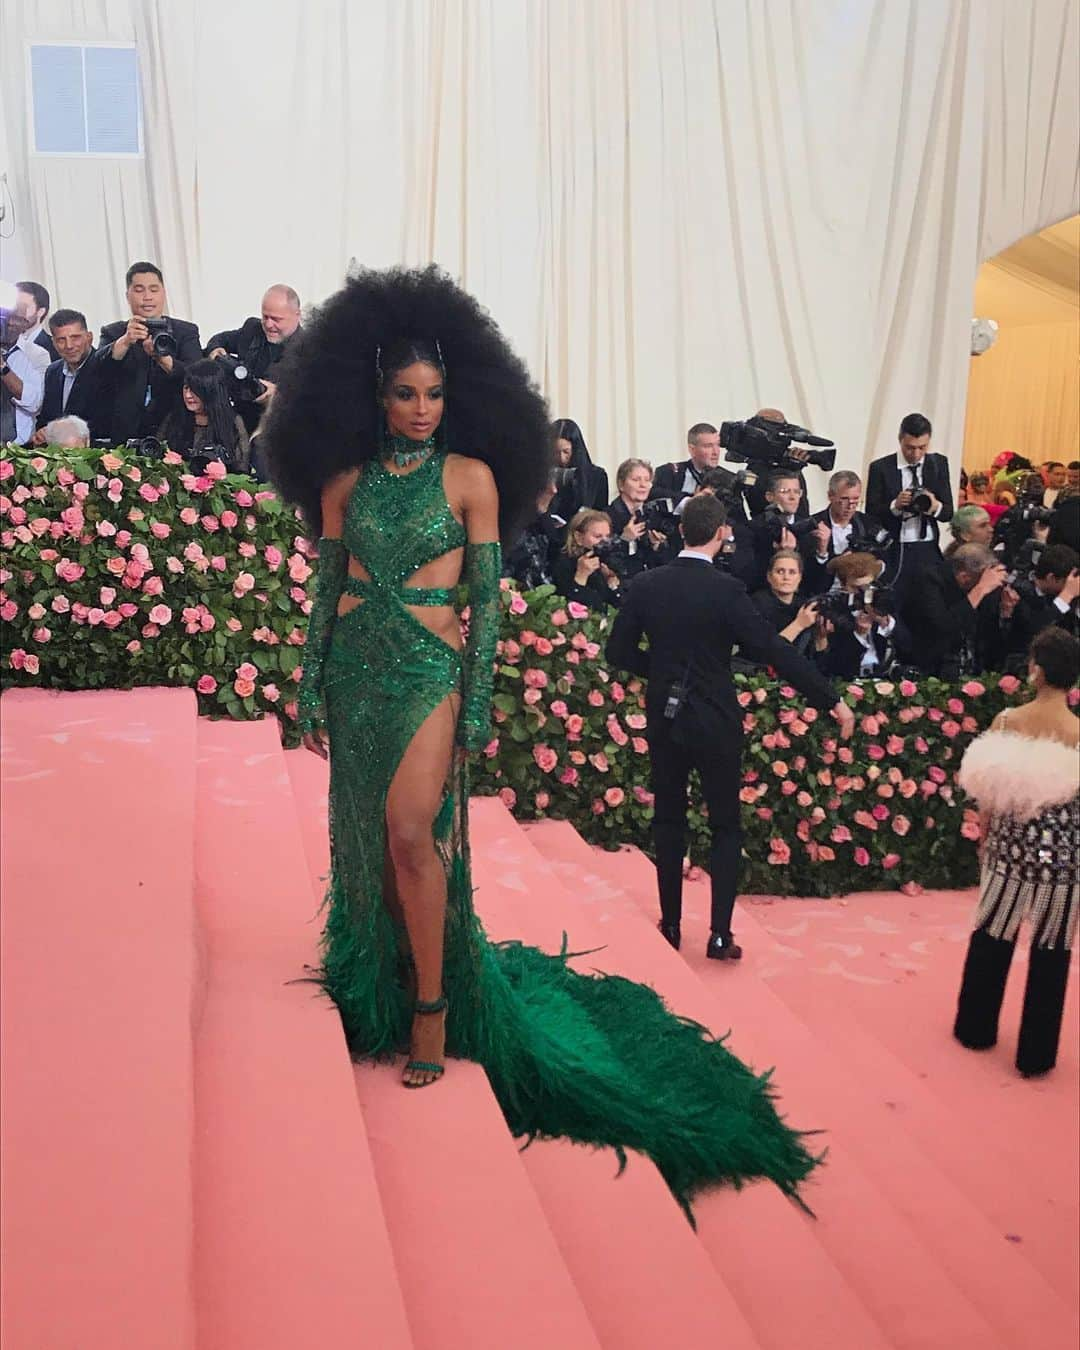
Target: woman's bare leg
(411,806)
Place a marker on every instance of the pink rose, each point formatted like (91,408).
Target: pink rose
(643,795)
(153,586)
(6,470)
(69,571)
(569,776)
(161,615)
(273,555)
(950,728)
(559,708)
(216,470)
(788,786)
(577,611)
(862,858)
(518,604)
(94,616)
(764,813)
(545,758)
(149,493)
(779,768)
(492,748)
(542,800)
(901,825)
(532,696)
(229,520)
(8,610)
(31,665)
(535,679)
(973,689)
(845,754)
(875,752)
(247,671)
(936,773)
(596,698)
(60,604)
(639,744)
(840,834)
(133,646)
(508,797)
(614,796)
(188,515)
(206,684)
(543,647)
(1008,684)
(880,811)
(243,583)
(42,634)
(271,693)
(574,725)
(779,852)
(870,726)
(921,745)
(559,618)
(956,707)
(970,829)
(243,497)
(244,688)
(128,610)
(159,529)
(599,761)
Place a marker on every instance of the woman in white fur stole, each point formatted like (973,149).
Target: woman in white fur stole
(1024,774)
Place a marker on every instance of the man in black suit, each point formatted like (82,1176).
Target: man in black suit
(685,476)
(38,298)
(840,528)
(74,384)
(693,615)
(259,344)
(146,385)
(1048,597)
(953,616)
(897,486)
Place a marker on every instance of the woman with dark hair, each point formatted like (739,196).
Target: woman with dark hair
(588,486)
(413,441)
(209,426)
(1023,773)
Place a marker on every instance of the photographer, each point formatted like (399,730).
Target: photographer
(779,525)
(207,427)
(1024,529)
(859,635)
(692,615)
(148,356)
(756,495)
(646,546)
(685,476)
(736,555)
(531,561)
(780,604)
(257,346)
(952,615)
(583,571)
(908,493)
(834,531)
(1048,596)
(579,482)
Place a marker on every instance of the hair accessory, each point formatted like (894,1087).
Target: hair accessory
(438,352)
(378,369)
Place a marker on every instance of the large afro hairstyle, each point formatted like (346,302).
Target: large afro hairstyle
(327,416)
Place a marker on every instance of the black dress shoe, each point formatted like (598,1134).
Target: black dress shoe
(671,933)
(723,948)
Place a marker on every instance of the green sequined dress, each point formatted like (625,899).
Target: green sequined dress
(598,1059)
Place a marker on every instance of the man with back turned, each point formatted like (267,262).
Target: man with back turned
(693,614)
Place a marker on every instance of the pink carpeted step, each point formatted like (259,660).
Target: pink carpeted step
(864,960)
(751,1236)
(993,1272)
(292,1247)
(99,984)
(478,1264)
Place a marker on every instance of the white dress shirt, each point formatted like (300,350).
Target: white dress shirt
(30,364)
(911,530)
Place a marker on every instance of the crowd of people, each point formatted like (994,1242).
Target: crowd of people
(148,380)
(890,575)
(870,583)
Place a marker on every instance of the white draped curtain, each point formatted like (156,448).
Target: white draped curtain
(679,210)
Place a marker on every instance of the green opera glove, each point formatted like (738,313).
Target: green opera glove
(483,565)
(329,581)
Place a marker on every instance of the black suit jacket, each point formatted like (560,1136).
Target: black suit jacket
(668,479)
(884,485)
(816,578)
(1033,613)
(940,619)
(90,397)
(844,654)
(128,380)
(755,496)
(44,340)
(693,614)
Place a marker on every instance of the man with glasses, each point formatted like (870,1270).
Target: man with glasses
(840,528)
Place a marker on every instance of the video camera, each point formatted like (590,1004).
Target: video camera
(760,440)
(243,386)
(162,337)
(149,446)
(727,487)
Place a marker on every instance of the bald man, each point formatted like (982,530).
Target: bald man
(755,498)
(260,343)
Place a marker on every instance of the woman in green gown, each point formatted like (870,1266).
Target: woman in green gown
(413,441)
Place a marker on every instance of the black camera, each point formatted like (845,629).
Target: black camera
(659,514)
(727,487)
(243,386)
(921,504)
(199,461)
(767,442)
(774,523)
(149,446)
(162,338)
(614,554)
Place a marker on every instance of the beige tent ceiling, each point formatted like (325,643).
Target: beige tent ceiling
(1035,281)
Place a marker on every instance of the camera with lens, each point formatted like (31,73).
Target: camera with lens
(199,461)
(614,554)
(243,386)
(149,446)
(921,504)
(161,336)
(727,487)
(841,607)
(659,514)
(762,441)
(774,523)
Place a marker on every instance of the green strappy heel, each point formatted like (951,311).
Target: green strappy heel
(422,1065)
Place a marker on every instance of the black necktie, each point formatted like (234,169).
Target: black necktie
(914,485)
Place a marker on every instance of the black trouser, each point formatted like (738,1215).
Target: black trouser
(674,749)
(983,989)
(912,560)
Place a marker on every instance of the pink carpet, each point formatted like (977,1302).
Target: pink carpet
(190,1160)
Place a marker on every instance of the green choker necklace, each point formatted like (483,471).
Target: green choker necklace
(404,452)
